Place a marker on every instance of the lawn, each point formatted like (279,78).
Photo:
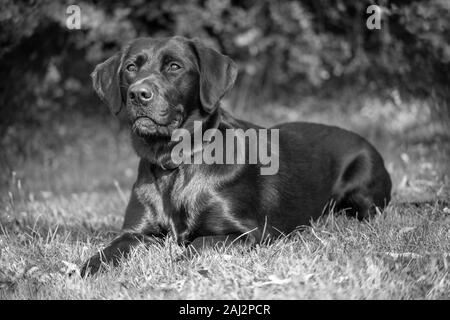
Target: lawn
(64,191)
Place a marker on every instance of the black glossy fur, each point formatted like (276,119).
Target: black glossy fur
(164,84)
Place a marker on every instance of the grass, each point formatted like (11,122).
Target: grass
(65,201)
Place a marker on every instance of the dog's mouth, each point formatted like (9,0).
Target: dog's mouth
(144,126)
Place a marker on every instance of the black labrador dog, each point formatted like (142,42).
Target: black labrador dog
(170,83)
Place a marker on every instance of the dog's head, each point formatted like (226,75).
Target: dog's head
(163,82)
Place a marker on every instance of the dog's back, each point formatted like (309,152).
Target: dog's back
(338,164)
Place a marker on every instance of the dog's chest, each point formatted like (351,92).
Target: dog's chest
(190,201)
(173,201)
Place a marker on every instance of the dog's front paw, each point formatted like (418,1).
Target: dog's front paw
(91,266)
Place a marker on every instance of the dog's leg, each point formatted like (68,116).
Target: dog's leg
(118,248)
(135,230)
(359,206)
(355,187)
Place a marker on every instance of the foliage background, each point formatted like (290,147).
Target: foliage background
(285,49)
(292,56)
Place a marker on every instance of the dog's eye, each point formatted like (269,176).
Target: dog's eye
(131,67)
(174,66)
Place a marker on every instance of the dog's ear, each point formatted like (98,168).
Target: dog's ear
(217,75)
(105,79)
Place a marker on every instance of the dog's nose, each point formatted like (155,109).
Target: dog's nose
(141,93)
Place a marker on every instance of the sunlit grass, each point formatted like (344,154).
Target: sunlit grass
(63,204)
(402,254)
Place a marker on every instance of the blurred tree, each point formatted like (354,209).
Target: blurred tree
(283,48)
